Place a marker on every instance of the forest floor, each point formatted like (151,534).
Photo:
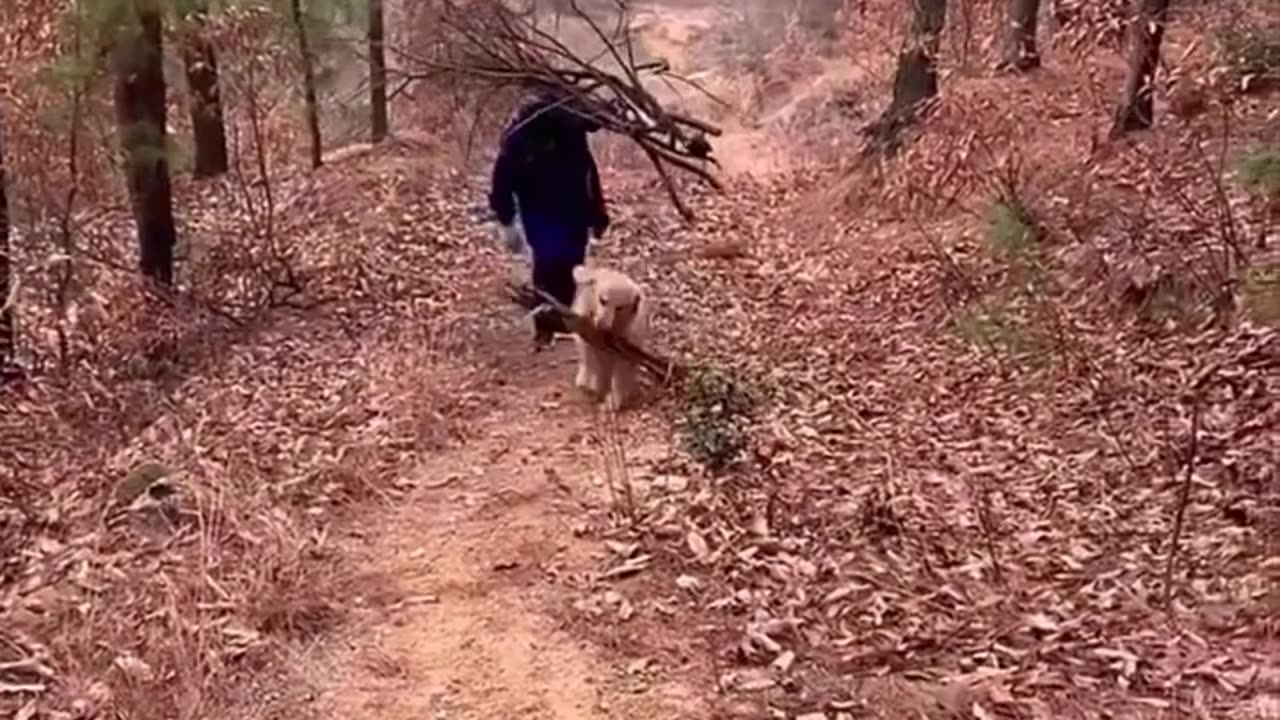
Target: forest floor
(388,506)
(464,608)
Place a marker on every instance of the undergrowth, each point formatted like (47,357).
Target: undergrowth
(990,321)
(1012,230)
(715,412)
(990,326)
(1262,294)
(1260,171)
(1253,54)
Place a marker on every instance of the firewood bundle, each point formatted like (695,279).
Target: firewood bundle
(487,42)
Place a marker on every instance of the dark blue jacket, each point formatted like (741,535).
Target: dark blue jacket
(545,164)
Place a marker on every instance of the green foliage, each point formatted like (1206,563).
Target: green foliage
(1260,171)
(1012,230)
(1262,294)
(716,410)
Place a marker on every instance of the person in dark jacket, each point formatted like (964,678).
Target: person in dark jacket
(545,173)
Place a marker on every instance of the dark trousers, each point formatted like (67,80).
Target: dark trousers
(554,277)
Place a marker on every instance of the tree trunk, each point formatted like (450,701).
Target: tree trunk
(206,102)
(308,83)
(377,71)
(141,112)
(1136,110)
(7,334)
(1020,51)
(916,80)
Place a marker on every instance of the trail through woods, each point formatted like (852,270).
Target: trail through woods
(475,586)
(503,585)
(463,609)
(955,498)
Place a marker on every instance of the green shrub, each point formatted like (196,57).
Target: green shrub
(1262,294)
(1011,229)
(716,411)
(1259,171)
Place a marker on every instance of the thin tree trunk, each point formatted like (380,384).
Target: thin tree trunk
(377,72)
(66,234)
(1136,110)
(1020,50)
(916,80)
(206,101)
(8,335)
(141,111)
(308,83)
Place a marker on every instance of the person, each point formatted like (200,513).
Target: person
(546,180)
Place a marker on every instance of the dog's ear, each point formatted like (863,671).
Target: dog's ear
(582,275)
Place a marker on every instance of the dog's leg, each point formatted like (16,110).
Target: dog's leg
(586,378)
(604,368)
(622,389)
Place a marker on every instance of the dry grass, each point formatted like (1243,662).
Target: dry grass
(268,434)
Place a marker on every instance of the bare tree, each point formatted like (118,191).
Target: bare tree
(138,55)
(7,332)
(308,81)
(377,71)
(916,80)
(207,123)
(1020,50)
(1136,110)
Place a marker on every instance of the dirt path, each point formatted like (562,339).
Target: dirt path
(466,606)
(470,582)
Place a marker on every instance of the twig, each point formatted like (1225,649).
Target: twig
(988,533)
(615,461)
(493,45)
(663,370)
(1183,496)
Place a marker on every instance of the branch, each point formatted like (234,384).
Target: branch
(487,43)
(1184,496)
(663,370)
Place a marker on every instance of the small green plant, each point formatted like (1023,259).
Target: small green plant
(1011,229)
(716,410)
(1259,171)
(1262,294)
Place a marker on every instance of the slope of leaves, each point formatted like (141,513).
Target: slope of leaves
(920,507)
(912,504)
(260,434)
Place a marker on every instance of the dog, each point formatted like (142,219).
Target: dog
(613,302)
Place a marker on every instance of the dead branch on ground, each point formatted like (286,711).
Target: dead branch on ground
(1184,495)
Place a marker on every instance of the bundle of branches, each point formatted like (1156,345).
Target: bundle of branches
(489,43)
(662,369)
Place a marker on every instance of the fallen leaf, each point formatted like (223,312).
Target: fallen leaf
(697,545)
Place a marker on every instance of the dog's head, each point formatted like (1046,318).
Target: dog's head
(617,297)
